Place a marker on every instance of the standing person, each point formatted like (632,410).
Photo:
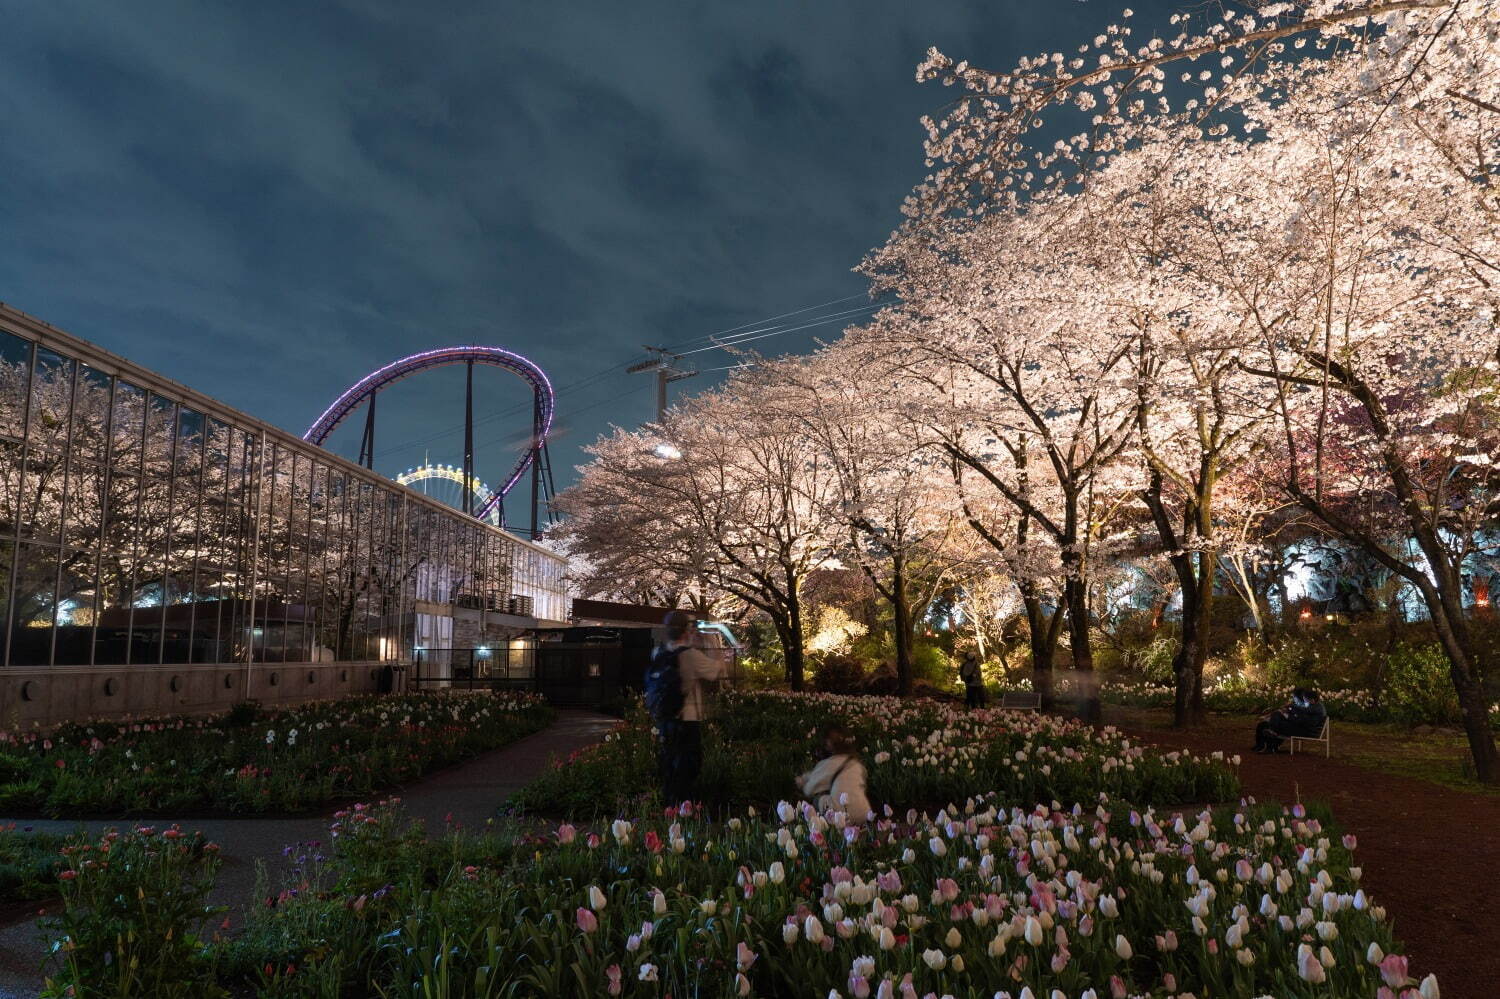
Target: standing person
(1303,716)
(838,781)
(973,678)
(677,700)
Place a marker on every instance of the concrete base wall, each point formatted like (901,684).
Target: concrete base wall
(45,697)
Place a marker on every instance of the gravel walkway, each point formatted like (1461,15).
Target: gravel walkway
(468,793)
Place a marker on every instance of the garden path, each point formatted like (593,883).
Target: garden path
(468,793)
(1430,854)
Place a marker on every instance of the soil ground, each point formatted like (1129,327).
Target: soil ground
(1429,840)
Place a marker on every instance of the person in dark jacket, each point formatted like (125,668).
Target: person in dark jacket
(973,677)
(1302,716)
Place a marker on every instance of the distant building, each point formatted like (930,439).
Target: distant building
(162,552)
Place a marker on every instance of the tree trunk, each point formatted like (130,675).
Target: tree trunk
(791,641)
(1076,597)
(791,650)
(1192,652)
(901,610)
(1042,635)
(1453,633)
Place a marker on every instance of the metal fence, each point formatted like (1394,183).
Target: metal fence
(566,674)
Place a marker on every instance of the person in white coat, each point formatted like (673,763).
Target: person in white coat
(837,782)
(700,668)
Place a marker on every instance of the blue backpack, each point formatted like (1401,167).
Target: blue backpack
(663,686)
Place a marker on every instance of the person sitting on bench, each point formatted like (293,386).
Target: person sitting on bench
(1303,716)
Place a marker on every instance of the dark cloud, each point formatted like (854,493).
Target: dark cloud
(267,200)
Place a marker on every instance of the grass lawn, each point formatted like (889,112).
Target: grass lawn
(1436,756)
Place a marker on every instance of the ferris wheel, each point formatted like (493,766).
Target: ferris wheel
(445,483)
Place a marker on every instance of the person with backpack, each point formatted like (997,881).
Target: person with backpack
(973,678)
(676,699)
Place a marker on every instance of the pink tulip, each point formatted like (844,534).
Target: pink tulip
(744,957)
(566,833)
(1393,970)
(613,974)
(1309,967)
(1116,986)
(587,921)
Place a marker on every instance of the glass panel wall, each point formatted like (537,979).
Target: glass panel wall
(138,529)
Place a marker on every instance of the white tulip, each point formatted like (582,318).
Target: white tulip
(597,901)
(936,959)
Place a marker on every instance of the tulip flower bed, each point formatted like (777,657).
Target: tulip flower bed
(918,753)
(247,760)
(1092,902)
(135,917)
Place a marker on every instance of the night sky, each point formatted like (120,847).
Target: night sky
(267,200)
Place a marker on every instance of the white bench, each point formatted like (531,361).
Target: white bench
(1320,737)
(1020,700)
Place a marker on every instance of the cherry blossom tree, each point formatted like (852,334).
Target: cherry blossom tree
(890,490)
(724,496)
(1352,229)
(1028,395)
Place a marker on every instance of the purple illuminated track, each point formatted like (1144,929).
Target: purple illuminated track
(362,390)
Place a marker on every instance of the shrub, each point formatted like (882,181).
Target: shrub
(29,862)
(932,665)
(839,674)
(134,908)
(1417,688)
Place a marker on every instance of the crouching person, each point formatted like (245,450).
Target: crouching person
(837,782)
